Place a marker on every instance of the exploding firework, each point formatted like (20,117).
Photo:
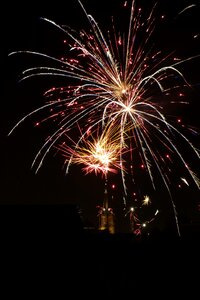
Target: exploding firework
(114,81)
(100,155)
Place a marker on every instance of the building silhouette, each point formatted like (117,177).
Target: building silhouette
(105,213)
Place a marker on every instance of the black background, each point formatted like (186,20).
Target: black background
(41,249)
(22,29)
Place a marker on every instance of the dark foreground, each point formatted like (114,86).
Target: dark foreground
(48,253)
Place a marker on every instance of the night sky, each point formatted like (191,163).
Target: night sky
(38,254)
(24,30)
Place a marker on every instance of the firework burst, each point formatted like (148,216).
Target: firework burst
(100,155)
(115,82)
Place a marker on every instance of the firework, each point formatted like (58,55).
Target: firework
(113,82)
(100,155)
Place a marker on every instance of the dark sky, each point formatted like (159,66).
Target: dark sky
(22,29)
